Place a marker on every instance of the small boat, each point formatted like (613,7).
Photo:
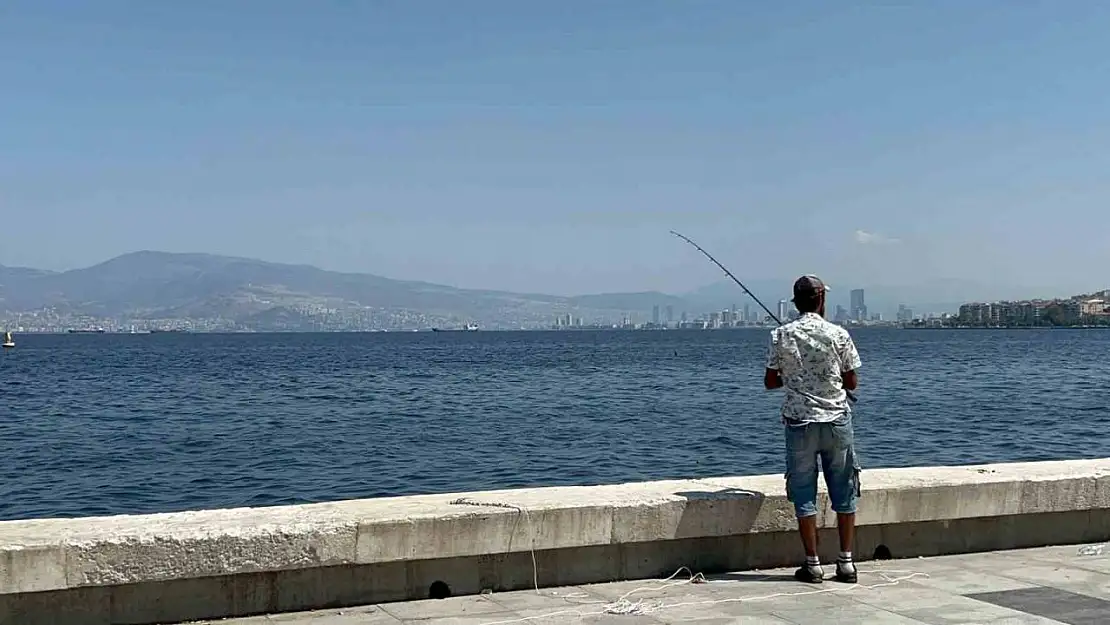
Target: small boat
(8,342)
(470,327)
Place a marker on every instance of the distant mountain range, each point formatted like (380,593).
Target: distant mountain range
(158,285)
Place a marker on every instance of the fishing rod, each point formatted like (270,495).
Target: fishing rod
(728,273)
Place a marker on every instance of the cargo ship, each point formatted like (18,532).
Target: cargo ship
(470,327)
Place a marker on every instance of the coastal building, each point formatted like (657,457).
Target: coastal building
(858,306)
(1094,308)
(1024,313)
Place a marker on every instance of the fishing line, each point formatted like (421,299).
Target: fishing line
(728,273)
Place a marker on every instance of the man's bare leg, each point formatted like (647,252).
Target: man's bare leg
(846,527)
(845,564)
(811,572)
(807,527)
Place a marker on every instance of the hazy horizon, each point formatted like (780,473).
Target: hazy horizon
(944,293)
(550,147)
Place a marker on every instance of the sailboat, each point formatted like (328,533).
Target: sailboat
(8,342)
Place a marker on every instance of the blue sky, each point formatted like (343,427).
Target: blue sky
(550,146)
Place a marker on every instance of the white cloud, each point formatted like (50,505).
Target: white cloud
(864,237)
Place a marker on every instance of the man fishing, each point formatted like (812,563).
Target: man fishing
(815,362)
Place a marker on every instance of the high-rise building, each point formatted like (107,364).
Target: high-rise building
(858,306)
(670,314)
(748,313)
(782,309)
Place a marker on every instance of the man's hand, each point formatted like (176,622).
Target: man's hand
(772,379)
(850,380)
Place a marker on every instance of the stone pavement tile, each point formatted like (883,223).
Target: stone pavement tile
(850,613)
(964,582)
(722,606)
(907,597)
(1024,619)
(1062,576)
(477,619)
(1101,564)
(1099,588)
(962,614)
(940,605)
(740,611)
(982,560)
(739,597)
(545,617)
(1061,552)
(1070,556)
(453,607)
(548,598)
(774,587)
(365,615)
(722,592)
(829,595)
(746,619)
(900,568)
(1053,603)
(248,620)
(634,589)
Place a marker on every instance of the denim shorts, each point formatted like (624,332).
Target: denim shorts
(834,443)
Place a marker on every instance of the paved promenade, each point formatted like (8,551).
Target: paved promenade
(1050,585)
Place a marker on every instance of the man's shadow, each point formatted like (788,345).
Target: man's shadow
(724,512)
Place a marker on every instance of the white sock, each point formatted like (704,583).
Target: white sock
(813,562)
(845,561)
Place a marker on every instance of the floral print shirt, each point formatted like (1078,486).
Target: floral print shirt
(810,355)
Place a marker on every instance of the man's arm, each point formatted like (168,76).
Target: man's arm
(850,380)
(849,365)
(771,377)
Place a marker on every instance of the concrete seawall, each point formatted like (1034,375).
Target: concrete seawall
(215,563)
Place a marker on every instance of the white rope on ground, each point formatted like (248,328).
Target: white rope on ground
(624,605)
(1092,550)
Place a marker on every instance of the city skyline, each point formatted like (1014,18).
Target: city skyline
(1092,309)
(160,291)
(958,292)
(718,290)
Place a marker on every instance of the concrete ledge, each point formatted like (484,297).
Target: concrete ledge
(214,563)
